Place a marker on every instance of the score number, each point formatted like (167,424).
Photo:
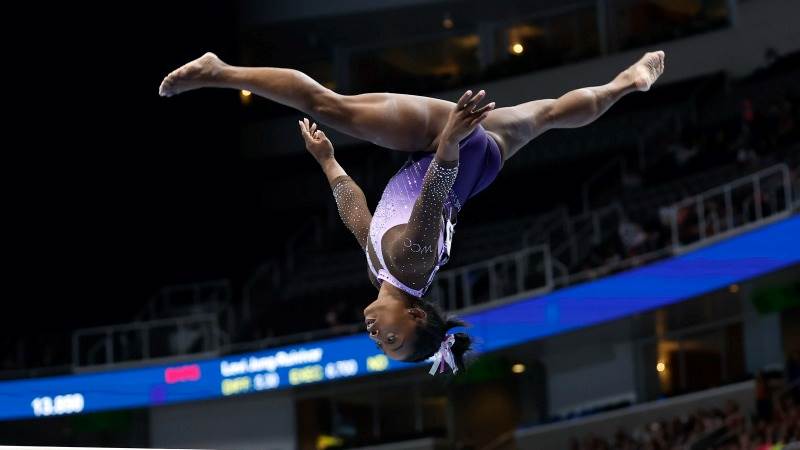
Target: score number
(339,369)
(60,404)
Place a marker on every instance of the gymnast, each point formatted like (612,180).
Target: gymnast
(455,151)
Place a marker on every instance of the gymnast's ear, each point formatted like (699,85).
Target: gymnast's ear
(417,313)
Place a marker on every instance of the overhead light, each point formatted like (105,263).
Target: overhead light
(447,22)
(661,367)
(518,368)
(325,441)
(517,49)
(245,96)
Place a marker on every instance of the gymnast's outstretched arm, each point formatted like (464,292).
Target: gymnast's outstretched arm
(349,197)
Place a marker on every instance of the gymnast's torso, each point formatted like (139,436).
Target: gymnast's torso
(479,163)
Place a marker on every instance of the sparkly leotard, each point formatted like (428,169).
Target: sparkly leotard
(434,191)
(431,182)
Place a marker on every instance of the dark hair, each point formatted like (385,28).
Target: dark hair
(430,334)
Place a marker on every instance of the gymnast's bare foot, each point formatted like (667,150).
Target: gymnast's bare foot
(647,70)
(202,72)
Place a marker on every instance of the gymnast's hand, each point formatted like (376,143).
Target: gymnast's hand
(465,116)
(317,143)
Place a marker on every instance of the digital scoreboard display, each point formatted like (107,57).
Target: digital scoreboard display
(235,375)
(734,260)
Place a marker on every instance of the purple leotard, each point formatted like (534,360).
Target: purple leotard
(479,163)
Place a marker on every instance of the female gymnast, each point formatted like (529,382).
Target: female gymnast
(456,150)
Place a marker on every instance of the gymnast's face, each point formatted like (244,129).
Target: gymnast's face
(392,325)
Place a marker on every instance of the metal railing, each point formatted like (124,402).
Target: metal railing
(739,215)
(295,338)
(525,271)
(572,237)
(564,278)
(588,230)
(747,201)
(154,339)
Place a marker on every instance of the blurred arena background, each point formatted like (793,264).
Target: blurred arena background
(159,252)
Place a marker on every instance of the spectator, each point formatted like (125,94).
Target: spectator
(793,374)
(725,428)
(632,236)
(763,397)
(793,366)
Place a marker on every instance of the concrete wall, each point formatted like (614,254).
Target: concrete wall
(252,422)
(584,374)
(763,336)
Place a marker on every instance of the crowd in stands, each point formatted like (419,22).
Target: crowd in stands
(774,425)
(759,137)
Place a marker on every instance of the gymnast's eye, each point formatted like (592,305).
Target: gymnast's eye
(390,339)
